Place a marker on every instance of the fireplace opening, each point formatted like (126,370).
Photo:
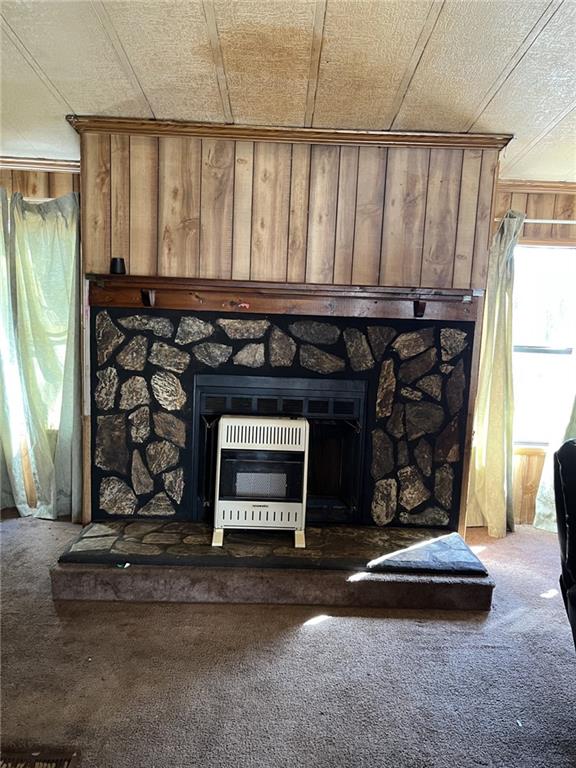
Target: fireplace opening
(335,410)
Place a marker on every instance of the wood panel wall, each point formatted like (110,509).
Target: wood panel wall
(186,206)
(553,205)
(39,184)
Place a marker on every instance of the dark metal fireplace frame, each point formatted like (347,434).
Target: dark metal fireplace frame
(334,400)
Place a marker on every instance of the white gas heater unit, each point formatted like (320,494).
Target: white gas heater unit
(261,471)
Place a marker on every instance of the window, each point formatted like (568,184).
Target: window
(544,337)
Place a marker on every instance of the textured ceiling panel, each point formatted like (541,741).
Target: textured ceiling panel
(471,44)
(266,50)
(366,50)
(68,43)
(167,44)
(553,158)
(540,89)
(31,115)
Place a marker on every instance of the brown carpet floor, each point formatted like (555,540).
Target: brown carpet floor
(173,686)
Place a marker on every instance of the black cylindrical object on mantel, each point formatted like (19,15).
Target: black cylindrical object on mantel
(117,266)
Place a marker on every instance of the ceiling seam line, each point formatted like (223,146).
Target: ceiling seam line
(34,64)
(549,127)
(315,61)
(514,61)
(114,39)
(218,59)
(426,32)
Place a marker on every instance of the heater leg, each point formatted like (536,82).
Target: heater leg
(299,540)
(218,537)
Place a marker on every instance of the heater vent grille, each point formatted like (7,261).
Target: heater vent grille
(262,434)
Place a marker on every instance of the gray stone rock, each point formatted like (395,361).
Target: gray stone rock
(140,424)
(158,505)
(413,343)
(108,337)
(96,544)
(174,484)
(193,329)
(168,391)
(141,529)
(243,329)
(358,350)
(111,450)
(382,455)
(116,497)
(319,361)
(281,349)
(447,447)
(161,455)
(416,367)
(315,332)
(133,356)
(403,455)
(251,356)
(432,385)
(105,392)
(386,389)
(453,341)
(411,394)
(423,419)
(455,387)
(413,492)
(128,547)
(134,392)
(446,369)
(162,538)
(443,484)
(380,337)
(169,357)
(430,516)
(171,428)
(102,529)
(423,456)
(395,424)
(160,326)
(141,480)
(212,354)
(384,501)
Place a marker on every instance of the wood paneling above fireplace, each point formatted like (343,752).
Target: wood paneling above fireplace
(357,209)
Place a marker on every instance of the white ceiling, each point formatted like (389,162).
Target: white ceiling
(501,66)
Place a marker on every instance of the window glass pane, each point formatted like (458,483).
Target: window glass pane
(544,305)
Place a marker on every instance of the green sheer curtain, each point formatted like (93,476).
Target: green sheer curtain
(39,366)
(490,482)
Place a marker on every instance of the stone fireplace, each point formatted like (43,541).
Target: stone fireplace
(386,400)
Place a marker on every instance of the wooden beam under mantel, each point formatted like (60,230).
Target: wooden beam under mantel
(117,125)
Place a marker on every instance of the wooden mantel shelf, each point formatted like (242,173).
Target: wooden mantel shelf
(203,295)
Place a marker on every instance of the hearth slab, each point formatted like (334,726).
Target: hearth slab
(364,548)
(186,584)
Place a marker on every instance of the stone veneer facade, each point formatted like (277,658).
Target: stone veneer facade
(144,361)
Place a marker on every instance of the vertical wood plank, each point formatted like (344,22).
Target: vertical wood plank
(564,209)
(503,204)
(539,206)
(95,183)
(143,205)
(324,161)
(345,215)
(441,217)
(60,184)
(369,213)
(483,218)
(242,224)
(179,161)
(6,180)
(298,224)
(404,212)
(519,202)
(466,226)
(76,182)
(216,209)
(32,184)
(270,212)
(120,198)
